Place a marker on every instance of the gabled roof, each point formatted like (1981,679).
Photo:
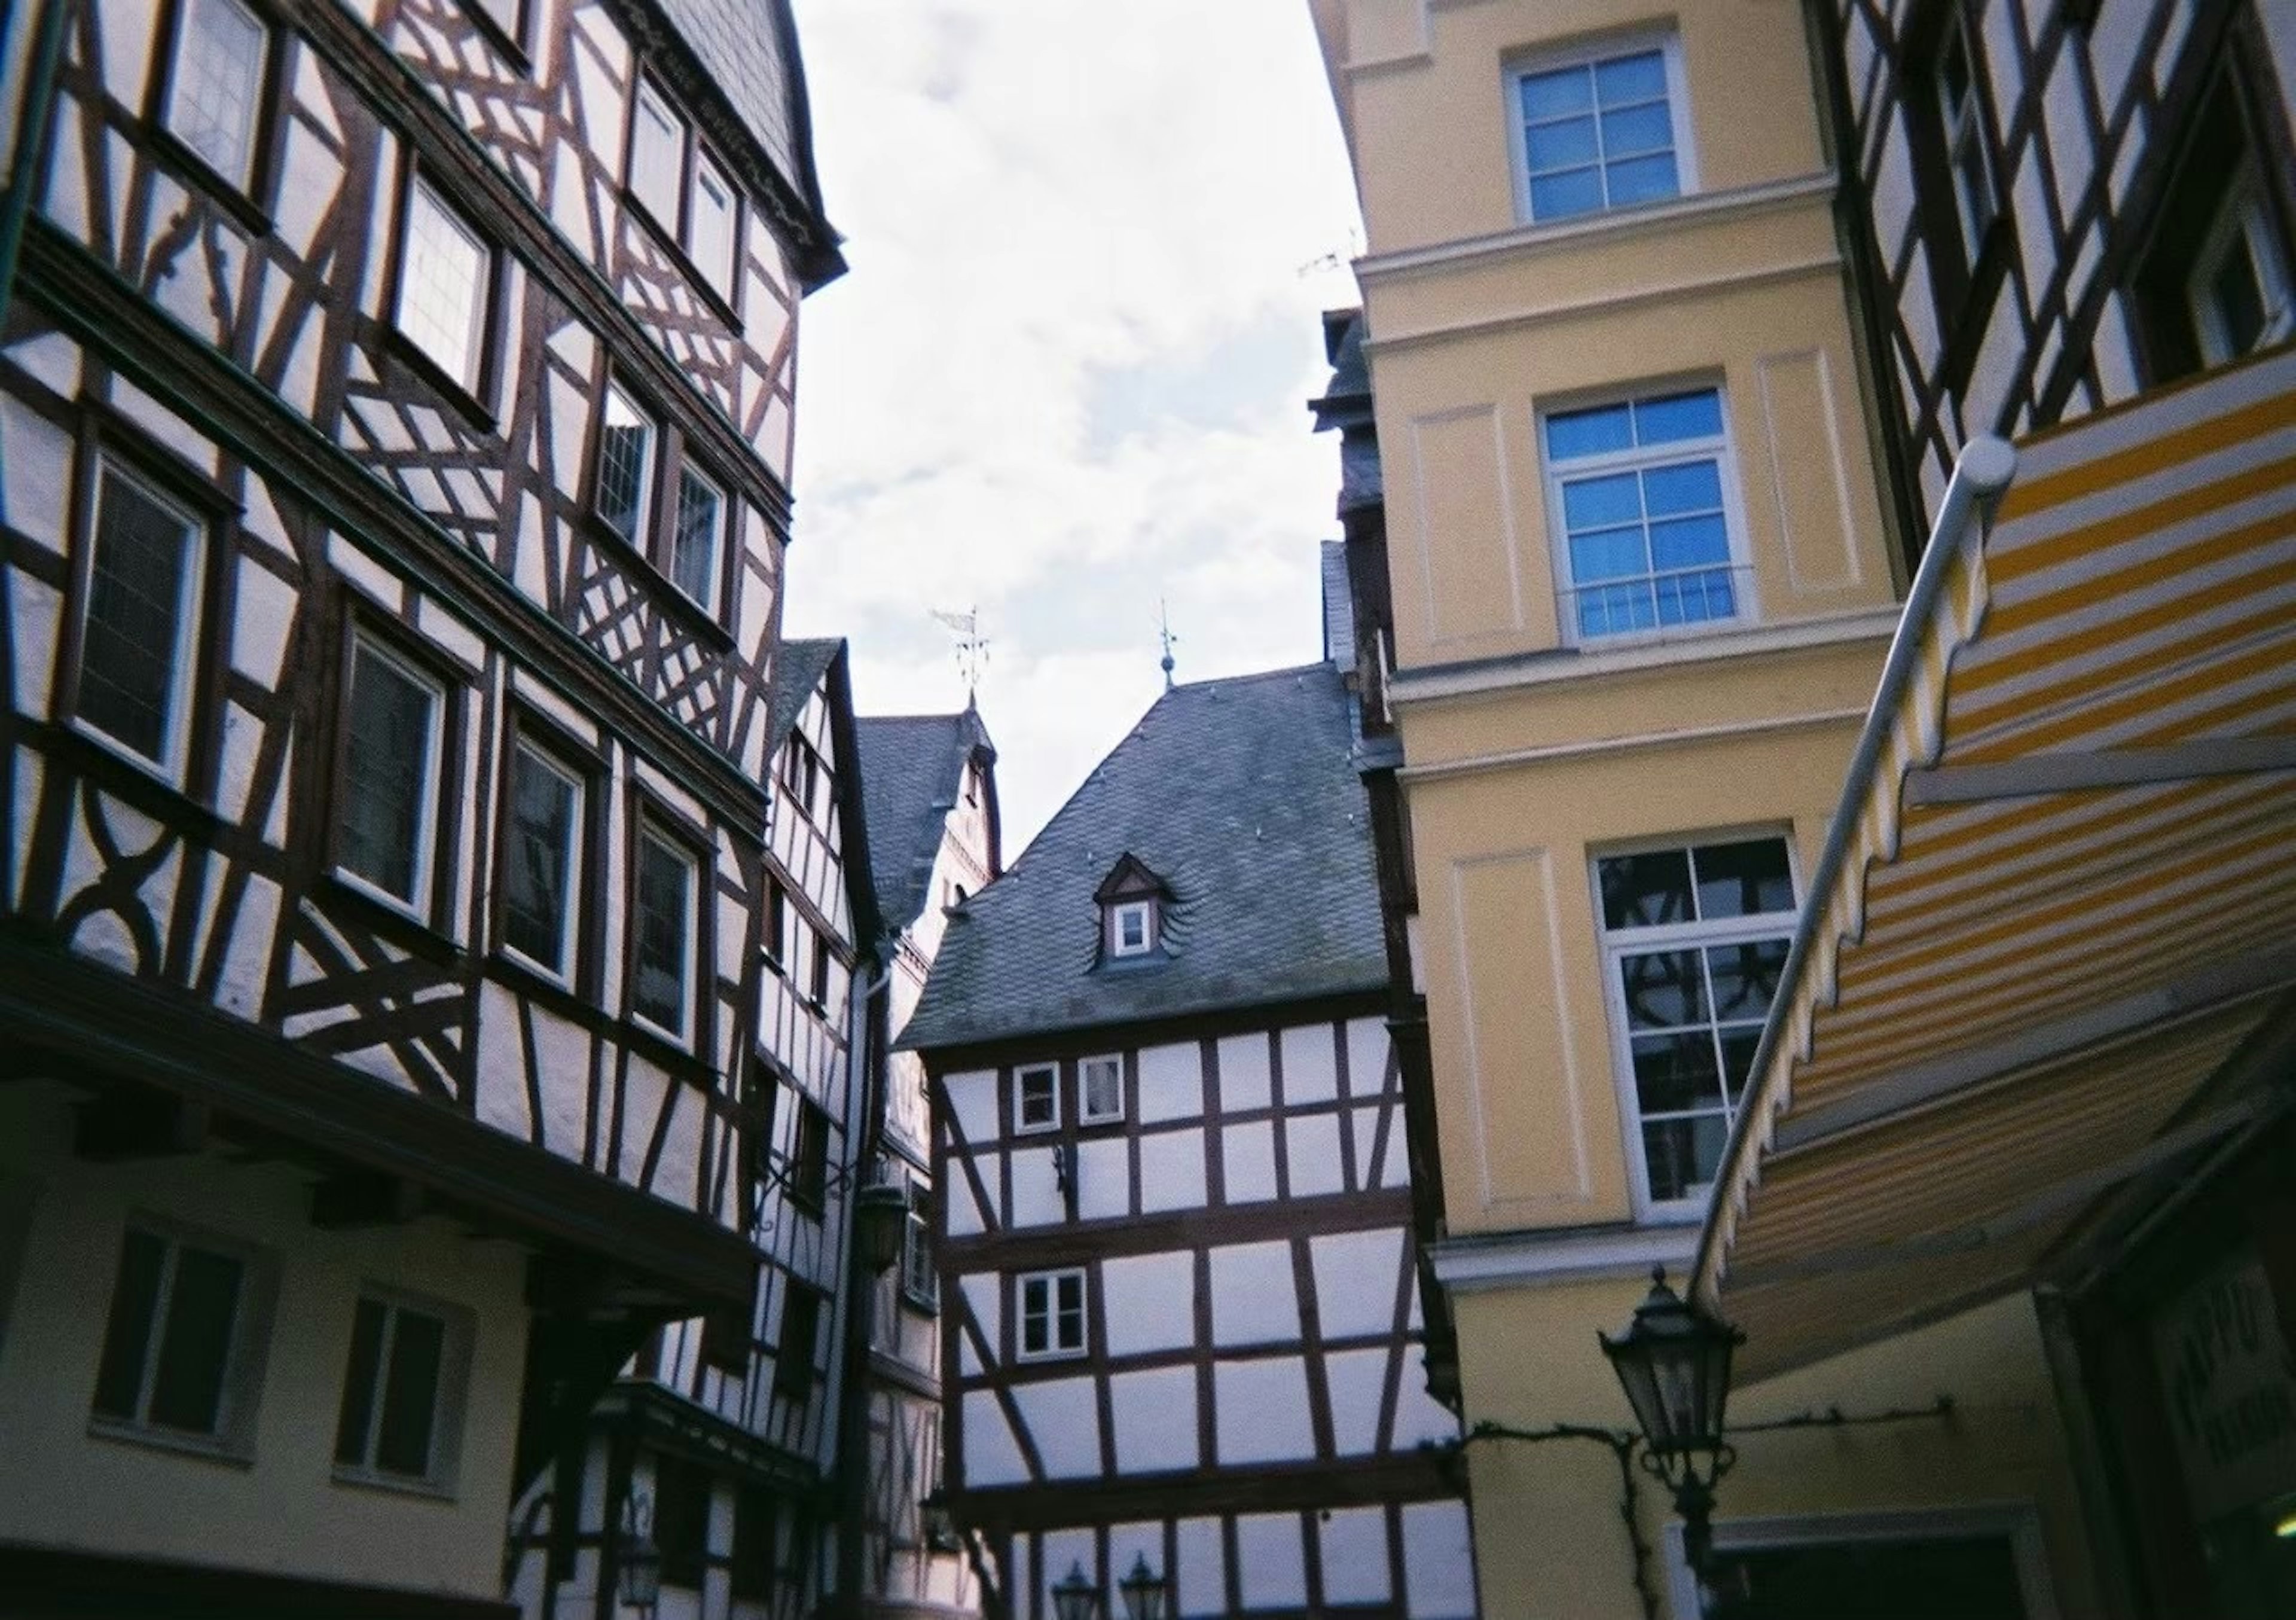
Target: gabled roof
(1129,877)
(797,672)
(912,768)
(1242,796)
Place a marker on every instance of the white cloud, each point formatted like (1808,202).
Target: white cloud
(1057,382)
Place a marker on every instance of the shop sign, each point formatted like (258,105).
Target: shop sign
(2231,1389)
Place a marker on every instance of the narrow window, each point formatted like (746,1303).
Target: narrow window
(809,1173)
(1964,130)
(918,1282)
(756,1515)
(1103,1087)
(1133,925)
(542,841)
(626,449)
(793,1358)
(1052,1315)
(2238,291)
(176,1334)
(657,157)
(1037,1098)
(1645,530)
(1695,941)
(216,84)
(391,775)
(138,630)
(681,1520)
(821,960)
(710,229)
(1599,134)
(800,774)
(394,1392)
(693,547)
(664,930)
(776,921)
(442,284)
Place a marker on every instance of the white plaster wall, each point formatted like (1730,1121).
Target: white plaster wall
(1063,1418)
(1155,1416)
(1353,1555)
(1244,1072)
(1262,1412)
(1438,1566)
(1311,1065)
(1150,1302)
(282,1512)
(1355,1278)
(1271,1560)
(1254,1300)
(1172,1171)
(1171,1082)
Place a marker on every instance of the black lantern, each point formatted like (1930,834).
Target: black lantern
(1074,1595)
(1674,1363)
(937,1522)
(1147,1595)
(881,1220)
(639,1557)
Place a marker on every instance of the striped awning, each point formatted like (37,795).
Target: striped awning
(2052,943)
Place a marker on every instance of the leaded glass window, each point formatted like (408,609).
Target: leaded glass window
(390,771)
(137,633)
(442,284)
(216,84)
(626,450)
(541,835)
(663,957)
(694,549)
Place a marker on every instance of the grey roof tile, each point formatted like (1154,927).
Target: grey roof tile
(912,770)
(1241,795)
(797,672)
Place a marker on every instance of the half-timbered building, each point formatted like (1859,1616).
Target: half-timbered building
(395,401)
(1179,1312)
(928,786)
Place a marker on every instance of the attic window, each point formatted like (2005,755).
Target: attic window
(1132,928)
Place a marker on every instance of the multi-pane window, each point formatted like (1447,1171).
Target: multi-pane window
(1695,941)
(1637,488)
(2239,291)
(918,1282)
(624,497)
(1599,134)
(1037,1098)
(1964,130)
(391,745)
(1051,1314)
(444,270)
(694,542)
(1132,927)
(801,1339)
(662,935)
(140,619)
(215,85)
(685,190)
(542,841)
(179,1328)
(392,1422)
(1100,1088)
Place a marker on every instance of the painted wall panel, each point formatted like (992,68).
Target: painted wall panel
(1469,576)
(1271,1557)
(1254,1300)
(1171,1082)
(1244,1072)
(1353,1547)
(1172,1171)
(1150,1302)
(1310,1065)
(1063,1419)
(1155,1417)
(1261,1411)
(1247,1161)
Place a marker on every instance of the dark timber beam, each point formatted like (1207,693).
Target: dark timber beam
(127,1122)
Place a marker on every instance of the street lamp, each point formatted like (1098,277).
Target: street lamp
(881,1220)
(1147,1595)
(1074,1595)
(1674,1363)
(639,1557)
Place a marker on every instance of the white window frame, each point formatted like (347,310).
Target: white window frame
(1087,1115)
(1124,911)
(651,98)
(1020,1075)
(2240,220)
(448,1400)
(251,135)
(677,224)
(426,822)
(1665,41)
(570,903)
(176,741)
(1056,1349)
(641,536)
(920,1281)
(241,1388)
(707,600)
(688,972)
(1693,935)
(1963,125)
(1723,448)
(720,274)
(469,372)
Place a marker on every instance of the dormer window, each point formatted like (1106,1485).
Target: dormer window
(1132,902)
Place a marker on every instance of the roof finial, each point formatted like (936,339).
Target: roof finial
(972,647)
(1164,633)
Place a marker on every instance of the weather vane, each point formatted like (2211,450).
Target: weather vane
(1164,633)
(971,646)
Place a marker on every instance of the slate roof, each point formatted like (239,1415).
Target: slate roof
(912,770)
(1240,794)
(797,675)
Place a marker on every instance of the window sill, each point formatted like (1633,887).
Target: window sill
(719,304)
(537,985)
(924,1304)
(243,210)
(206,1448)
(666,594)
(669,1050)
(399,923)
(143,784)
(452,390)
(368,1479)
(511,51)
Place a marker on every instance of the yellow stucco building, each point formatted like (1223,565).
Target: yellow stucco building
(1644,571)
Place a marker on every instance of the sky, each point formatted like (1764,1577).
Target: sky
(1065,376)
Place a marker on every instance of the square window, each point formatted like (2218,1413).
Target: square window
(1052,1315)
(180,1340)
(443,268)
(1037,1098)
(392,728)
(401,1393)
(662,953)
(800,774)
(139,621)
(1696,941)
(624,496)
(800,1342)
(1101,1084)
(1637,496)
(215,85)
(541,860)
(694,546)
(1602,131)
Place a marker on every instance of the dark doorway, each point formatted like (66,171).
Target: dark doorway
(1948,1578)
